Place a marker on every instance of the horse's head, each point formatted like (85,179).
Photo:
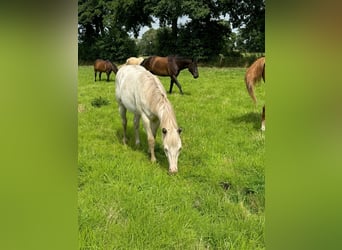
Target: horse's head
(172,147)
(114,68)
(193,68)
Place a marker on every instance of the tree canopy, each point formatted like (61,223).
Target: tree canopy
(109,29)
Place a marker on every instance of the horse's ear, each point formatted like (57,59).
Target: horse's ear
(179,130)
(164,131)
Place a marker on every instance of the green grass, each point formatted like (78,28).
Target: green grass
(216,201)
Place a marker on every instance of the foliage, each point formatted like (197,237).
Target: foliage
(105,28)
(148,43)
(216,201)
(249,17)
(99,101)
(203,39)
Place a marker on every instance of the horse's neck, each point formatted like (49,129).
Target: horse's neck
(182,64)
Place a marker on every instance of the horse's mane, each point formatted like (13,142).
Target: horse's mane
(160,103)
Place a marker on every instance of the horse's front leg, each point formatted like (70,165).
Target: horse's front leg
(174,79)
(150,137)
(108,74)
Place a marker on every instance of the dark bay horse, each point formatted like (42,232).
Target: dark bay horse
(104,66)
(170,66)
(253,75)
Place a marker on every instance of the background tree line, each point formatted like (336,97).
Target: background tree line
(109,29)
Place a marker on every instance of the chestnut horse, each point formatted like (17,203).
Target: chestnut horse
(170,66)
(142,93)
(104,66)
(253,75)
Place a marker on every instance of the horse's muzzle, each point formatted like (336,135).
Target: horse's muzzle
(195,76)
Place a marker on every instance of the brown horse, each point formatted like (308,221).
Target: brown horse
(170,66)
(104,66)
(253,75)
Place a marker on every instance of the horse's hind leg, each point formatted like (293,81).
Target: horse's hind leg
(95,76)
(122,111)
(136,127)
(100,75)
(263,119)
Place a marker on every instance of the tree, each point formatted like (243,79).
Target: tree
(100,35)
(105,25)
(148,43)
(249,17)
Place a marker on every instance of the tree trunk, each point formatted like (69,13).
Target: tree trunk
(174,34)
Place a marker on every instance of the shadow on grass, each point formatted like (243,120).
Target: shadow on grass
(143,147)
(252,117)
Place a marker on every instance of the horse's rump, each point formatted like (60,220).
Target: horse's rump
(104,66)
(135,89)
(134,60)
(254,74)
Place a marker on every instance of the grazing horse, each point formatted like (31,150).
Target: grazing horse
(170,66)
(253,75)
(104,66)
(134,60)
(142,93)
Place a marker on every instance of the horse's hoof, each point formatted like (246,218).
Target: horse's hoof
(172,172)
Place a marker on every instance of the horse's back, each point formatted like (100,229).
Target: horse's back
(102,65)
(134,87)
(157,65)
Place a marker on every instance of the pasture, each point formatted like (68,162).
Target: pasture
(217,199)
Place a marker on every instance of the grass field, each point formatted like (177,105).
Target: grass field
(216,201)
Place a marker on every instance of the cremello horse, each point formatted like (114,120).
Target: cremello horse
(253,75)
(142,93)
(134,60)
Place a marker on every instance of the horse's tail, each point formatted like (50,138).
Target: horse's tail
(250,89)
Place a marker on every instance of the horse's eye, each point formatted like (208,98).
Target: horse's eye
(165,150)
(180,149)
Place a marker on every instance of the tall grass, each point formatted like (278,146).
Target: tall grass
(216,201)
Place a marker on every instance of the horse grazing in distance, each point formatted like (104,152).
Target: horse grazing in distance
(134,60)
(253,75)
(142,93)
(170,66)
(104,66)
